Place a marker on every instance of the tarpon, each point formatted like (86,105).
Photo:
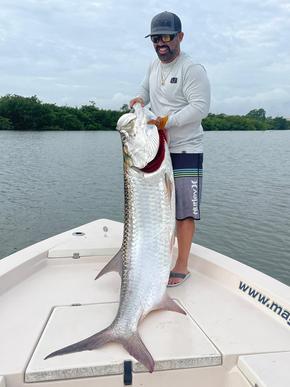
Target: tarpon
(144,259)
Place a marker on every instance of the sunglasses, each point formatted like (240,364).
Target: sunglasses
(165,38)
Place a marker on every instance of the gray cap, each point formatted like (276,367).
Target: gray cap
(165,23)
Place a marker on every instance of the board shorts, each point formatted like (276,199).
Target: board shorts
(187,171)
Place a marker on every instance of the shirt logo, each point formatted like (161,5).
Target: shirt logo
(173,80)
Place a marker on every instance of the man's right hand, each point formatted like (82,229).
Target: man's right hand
(136,100)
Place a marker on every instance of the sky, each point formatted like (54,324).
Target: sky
(72,52)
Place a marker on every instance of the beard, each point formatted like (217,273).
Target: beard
(167,56)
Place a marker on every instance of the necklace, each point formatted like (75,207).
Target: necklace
(163,75)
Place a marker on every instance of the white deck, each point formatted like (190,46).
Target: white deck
(224,325)
(72,323)
(266,369)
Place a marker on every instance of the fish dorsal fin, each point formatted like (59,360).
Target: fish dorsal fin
(115,264)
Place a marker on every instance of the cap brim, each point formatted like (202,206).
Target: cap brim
(162,32)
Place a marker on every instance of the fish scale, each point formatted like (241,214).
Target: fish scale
(151,226)
(144,259)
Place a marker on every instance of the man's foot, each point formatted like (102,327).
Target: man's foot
(177,278)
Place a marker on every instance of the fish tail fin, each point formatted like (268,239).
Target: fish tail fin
(135,346)
(88,344)
(115,264)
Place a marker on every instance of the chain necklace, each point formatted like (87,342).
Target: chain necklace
(163,76)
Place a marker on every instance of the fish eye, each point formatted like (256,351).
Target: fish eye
(124,135)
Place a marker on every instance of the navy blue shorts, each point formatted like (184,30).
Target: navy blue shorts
(187,170)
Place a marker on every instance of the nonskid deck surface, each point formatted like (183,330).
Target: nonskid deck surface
(222,324)
(176,343)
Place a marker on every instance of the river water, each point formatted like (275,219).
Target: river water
(54,181)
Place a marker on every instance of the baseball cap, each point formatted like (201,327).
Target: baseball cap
(165,23)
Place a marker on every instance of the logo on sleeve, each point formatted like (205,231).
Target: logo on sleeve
(173,80)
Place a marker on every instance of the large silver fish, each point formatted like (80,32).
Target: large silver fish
(149,228)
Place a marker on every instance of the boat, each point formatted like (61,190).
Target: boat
(236,332)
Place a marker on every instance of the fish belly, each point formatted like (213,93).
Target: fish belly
(147,246)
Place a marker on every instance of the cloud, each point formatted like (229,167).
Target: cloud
(71,51)
(268,100)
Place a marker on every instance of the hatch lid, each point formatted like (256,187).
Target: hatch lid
(266,369)
(103,237)
(174,340)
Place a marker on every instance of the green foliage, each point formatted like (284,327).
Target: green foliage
(5,124)
(125,108)
(278,123)
(29,113)
(23,113)
(258,114)
(254,120)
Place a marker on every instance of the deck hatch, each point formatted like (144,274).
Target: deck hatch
(174,340)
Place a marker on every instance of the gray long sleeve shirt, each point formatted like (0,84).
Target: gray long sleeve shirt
(181,90)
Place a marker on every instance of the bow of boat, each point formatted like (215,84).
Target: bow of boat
(236,332)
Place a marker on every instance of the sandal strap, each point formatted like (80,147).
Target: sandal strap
(174,274)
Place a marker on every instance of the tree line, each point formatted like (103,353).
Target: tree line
(29,113)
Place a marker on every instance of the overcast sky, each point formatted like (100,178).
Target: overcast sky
(70,52)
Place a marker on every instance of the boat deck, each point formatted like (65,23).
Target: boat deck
(49,298)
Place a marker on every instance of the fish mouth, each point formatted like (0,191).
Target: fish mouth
(126,122)
(155,164)
(139,139)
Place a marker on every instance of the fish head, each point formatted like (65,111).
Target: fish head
(140,140)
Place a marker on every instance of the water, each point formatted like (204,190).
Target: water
(54,181)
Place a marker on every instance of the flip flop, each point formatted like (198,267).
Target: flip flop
(174,274)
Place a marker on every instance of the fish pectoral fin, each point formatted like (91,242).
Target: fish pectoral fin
(115,264)
(92,342)
(169,304)
(169,187)
(135,346)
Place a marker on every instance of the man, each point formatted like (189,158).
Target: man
(179,95)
